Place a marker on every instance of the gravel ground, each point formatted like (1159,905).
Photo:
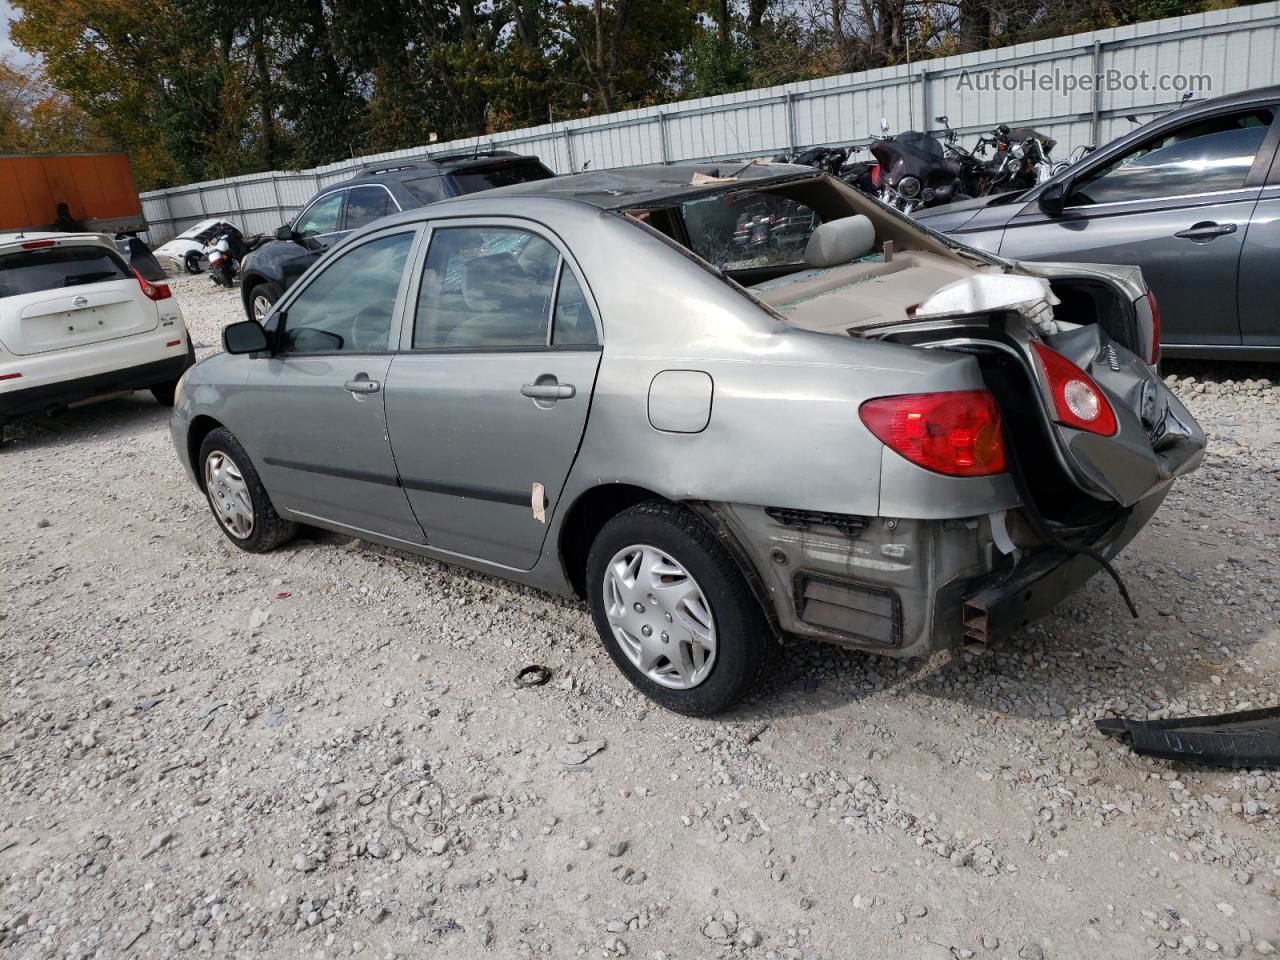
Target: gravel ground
(322,752)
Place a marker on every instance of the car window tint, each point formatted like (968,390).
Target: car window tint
(58,267)
(367,204)
(475,179)
(741,230)
(321,217)
(425,189)
(485,287)
(348,307)
(1203,156)
(572,325)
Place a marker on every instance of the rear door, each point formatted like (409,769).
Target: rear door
(1177,204)
(57,294)
(488,398)
(318,431)
(366,204)
(1259,306)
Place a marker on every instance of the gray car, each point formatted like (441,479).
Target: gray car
(1193,198)
(877,438)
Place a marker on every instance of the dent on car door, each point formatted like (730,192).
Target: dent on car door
(314,420)
(488,398)
(1177,204)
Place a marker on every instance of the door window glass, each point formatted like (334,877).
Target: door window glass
(321,217)
(348,308)
(485,287)
(572,325)
(425,189)
(367,204)
(743,230)
(1203,156)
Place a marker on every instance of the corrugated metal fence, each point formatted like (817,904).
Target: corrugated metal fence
(1034,84)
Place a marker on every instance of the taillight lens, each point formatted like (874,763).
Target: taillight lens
(956,433)
(153,291)
(38,244)
(1077,401)
(1155,327)
(875,175)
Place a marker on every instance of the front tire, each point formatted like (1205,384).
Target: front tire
(261,298)
(673,611)
(236,496)
(191,262)
(166,393)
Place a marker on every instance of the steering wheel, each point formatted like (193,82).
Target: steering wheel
(368,330)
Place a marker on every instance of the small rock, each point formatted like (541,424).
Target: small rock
(715,930)
(618,848)
(1031,951)
(749,937)
(439,845)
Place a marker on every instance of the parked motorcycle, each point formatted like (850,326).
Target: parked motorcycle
(838,161)
(226,250)
(915,170)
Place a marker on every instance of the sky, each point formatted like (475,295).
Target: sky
(7,49)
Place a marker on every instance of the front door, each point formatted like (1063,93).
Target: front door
(320,441)
(488,398)
(1178,205)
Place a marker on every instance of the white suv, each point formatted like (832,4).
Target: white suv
(76,322)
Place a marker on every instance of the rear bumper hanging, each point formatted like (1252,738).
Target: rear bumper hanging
(1246,738)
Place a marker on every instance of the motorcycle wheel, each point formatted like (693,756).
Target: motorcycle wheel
(191,263)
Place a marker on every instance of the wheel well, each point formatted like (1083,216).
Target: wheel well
(591,511)
(200,428)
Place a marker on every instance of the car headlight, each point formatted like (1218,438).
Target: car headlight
(909,186)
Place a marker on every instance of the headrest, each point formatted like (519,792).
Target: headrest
(490,283)
(839,241)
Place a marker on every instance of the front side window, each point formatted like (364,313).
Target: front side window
(350,306)
(738,231)
(321,217)
(367,204)
(1201,157)
(485,287)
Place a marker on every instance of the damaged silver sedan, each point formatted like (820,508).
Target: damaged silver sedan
(725,405)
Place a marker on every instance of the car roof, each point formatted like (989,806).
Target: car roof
(1243,98)
(17,239)
(411,168)
(628,187)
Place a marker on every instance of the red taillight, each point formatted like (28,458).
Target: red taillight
(1155,327)
(1077,401)
(875,175)
(38,244)
(10,376)
(153,291)
(956,433)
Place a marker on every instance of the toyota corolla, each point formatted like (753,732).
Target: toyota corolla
(869,435)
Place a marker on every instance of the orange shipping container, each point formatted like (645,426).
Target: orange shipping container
(97,188)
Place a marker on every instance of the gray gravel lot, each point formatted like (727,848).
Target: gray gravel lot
(322,752)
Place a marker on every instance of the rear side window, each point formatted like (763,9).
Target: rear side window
(53,268)
(475,179)
(425,189)
(367,204)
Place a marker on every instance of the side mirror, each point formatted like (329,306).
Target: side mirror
(247,336)
(1054,198)
(284,233)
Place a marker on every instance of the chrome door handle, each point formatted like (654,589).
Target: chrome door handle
(549,391)
(1206,231)
(362,385)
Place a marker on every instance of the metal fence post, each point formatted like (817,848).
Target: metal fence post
(568,149)
(662,137)
(924,100)
(1096,123)
(791,121)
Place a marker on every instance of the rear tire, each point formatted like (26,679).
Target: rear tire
(262,297)
(236,496)
(698,641)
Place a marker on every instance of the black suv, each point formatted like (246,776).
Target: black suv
(376,192)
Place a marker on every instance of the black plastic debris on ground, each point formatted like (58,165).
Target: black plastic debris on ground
(1247,738)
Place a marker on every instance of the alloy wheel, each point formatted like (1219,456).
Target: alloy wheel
(660,617)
